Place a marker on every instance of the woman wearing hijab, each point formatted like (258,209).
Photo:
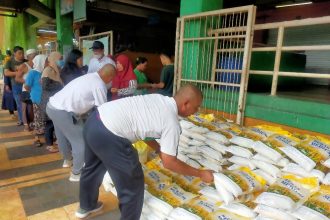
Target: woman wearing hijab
(51,83)
(124,84)
(32,84)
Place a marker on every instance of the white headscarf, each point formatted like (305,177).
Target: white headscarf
(39,62)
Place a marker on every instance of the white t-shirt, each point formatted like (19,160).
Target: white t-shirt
(96,64)
(81,94)
(138,117)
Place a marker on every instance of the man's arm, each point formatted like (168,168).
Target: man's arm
(20,72)
(154,145)
(176,165)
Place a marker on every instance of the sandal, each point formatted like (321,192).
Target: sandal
(37,143)
(52,149)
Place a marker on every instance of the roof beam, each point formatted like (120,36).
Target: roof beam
(133,11)
(152,4)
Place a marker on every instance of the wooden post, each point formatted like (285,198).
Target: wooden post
(277,59)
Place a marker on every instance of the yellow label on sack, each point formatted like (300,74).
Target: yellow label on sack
(176,196)
(319,202)
(310,183)
(200,206)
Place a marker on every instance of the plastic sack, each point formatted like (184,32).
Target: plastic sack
(266,151)
(242,141)
(317,207)
(239,209)
(284,194)
(200,206)
(273,213)
(182,214)
(239,151)
(176,196)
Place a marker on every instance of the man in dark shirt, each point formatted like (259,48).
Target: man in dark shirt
(10,70)
(165,86)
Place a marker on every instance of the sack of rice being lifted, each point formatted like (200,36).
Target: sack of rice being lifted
(284,194)
(317,207)
(232,184)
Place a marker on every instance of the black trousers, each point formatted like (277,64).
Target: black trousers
(49,132)
(106,151)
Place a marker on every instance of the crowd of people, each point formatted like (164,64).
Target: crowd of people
(96,112)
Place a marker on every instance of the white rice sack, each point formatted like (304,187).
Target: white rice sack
(263,158)
(186,124)
(239,209)
(273,213)
(214,136)
(269,179)
(305,213)
(318,174)
(275,200)
(194,156)
(211,193)
(239,151)
(222,181)
(266,151)
(283,162)
(108,184)
(298,157)
(234,167)
(267,167)
(227,196)
(158,205)
(260,217)
(197,136)
(156,216)
(326,179)
(182,214)
(182,157)
(216,146)
(198,129)
(327,163)
(190,150)
(193,164)
(194,142)
(216,167)
(184,139)
(210,152)
(242,141)
(146,209)
(296,169)
(242,162)
(283,194)
(317,207)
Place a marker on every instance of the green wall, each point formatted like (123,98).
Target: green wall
(64,29)
(19,32)
(188,7)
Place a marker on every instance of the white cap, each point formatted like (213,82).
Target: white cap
(30,51)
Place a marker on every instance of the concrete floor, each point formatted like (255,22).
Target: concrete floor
(33,184)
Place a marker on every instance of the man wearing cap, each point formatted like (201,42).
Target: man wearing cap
(99,58)
(68,109)
(23,70)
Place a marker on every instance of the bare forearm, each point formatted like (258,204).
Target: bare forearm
(154,145)
(9,73)
(182,168)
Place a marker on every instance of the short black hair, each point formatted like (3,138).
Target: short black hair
(8,52)
(166,52)
(17,48)
(140,60)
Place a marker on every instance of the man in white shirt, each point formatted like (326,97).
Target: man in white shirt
(99,59)
(109,133)
(70,106)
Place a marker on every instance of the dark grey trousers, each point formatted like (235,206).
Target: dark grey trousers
(107,151)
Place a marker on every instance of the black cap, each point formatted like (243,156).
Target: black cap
(97,45)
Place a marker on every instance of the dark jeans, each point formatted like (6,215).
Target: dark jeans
(49,132)
(106,151)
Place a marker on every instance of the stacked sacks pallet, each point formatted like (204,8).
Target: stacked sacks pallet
(253,171)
